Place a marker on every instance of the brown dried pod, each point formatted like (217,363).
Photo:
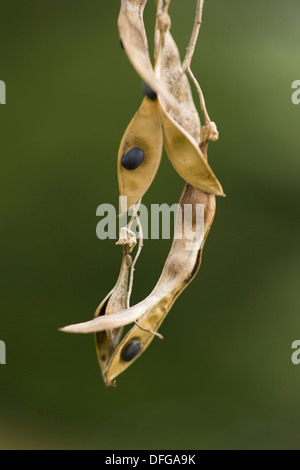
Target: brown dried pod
(180,127)
(144,132)
(181,265)
(116,300)
(134,39)
(178,116)
(180,268)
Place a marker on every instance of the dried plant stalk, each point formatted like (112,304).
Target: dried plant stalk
(170,119)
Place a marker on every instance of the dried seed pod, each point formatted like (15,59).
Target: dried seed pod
(104,346)
(182,150)
(181,131)
(134,39)
(186,156)
(168,64)
(180,268)
(179,259)
(116,300)
(144,132)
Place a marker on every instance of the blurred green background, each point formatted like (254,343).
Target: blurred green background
(223,376)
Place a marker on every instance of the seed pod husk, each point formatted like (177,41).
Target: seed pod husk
(144,132)
(134,39)
(116,300)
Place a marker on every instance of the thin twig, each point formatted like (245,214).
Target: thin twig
(134,213)
(155,333)
(201,96)
(140,247)
(131,278)
(159,5)
(163,24)
(192,44)
(166,7)
(158,36)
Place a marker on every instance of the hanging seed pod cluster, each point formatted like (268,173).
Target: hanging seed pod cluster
(166,118)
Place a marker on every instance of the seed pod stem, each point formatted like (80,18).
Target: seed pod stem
(192,44)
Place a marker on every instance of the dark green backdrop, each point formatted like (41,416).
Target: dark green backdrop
(223,376)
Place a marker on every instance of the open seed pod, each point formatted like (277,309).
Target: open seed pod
(181,265)
(179,128)
(116,300)
(177,117)
(135,43)
(144,133)
(180,268)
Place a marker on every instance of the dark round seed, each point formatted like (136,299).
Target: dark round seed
(133,158)
(131,350)
(149,92)
(122,45)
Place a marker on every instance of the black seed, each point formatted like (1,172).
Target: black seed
(133,158)
(131,350)
(149,92)
(122,45)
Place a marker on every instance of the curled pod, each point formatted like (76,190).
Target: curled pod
(180,268)
(182,264)
(134,40)
(167,66)
(186,157)
(140,153)
(116,300)
(181,125)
